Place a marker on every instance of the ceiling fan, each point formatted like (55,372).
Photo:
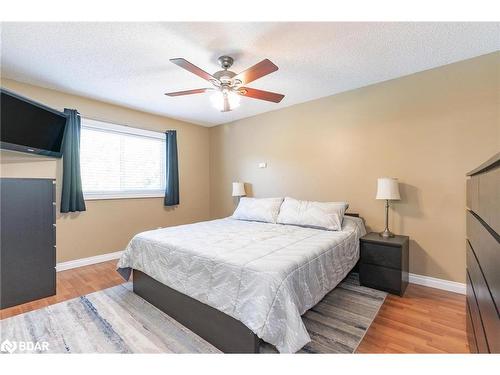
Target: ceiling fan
(229,86)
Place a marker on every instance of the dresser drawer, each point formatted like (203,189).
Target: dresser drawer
(489,198)
(471,337)
(487,309)
(472,189)
(487,250)
(382,278)
(380,255)
(476,323)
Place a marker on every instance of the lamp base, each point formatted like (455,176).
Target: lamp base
(386,234)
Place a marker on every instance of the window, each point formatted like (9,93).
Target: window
(121,162)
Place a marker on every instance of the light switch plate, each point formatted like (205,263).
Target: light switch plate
(262,165)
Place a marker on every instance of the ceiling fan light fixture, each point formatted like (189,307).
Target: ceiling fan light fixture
(217,99)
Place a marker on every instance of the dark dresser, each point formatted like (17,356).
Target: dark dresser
(28,240)
(383,262)
(483,257)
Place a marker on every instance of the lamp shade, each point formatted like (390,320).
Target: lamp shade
(388,188)
(238,189)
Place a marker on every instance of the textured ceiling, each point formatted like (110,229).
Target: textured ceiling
(127,63)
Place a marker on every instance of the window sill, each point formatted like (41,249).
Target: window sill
(95,197)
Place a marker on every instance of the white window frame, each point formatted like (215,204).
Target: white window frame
(111,127)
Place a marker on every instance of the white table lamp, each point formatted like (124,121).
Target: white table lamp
(387,189)
(238,189)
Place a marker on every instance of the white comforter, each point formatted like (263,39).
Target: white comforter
(264,275)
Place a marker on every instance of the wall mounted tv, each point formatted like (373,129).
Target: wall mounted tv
(31,127)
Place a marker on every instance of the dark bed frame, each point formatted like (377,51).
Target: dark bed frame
(221,330)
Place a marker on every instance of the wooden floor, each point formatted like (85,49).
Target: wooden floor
(425,320)
(73,283)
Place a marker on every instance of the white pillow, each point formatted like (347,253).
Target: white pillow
(322,215)
(258,209)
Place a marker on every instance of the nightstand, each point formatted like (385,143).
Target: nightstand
(383,262)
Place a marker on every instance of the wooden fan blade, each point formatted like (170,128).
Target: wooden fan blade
(257,71)
(187,92)
(261,94)
(183,63)
(227,108)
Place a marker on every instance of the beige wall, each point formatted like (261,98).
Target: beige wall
(427,129)
(108,225)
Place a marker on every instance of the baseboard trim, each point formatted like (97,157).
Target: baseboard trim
(63,266)
(432,282)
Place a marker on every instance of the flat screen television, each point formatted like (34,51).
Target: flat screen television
(30,127)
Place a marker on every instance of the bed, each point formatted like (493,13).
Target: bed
(236,282)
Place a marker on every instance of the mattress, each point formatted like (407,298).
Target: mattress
(265,275)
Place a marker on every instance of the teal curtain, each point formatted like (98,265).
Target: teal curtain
(72,194)
(172,170)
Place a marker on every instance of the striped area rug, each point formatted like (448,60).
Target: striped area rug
(338,323)
(115,320)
